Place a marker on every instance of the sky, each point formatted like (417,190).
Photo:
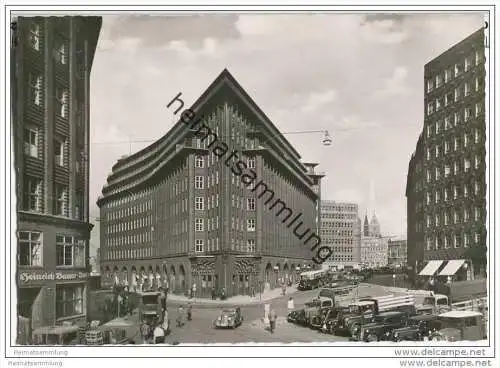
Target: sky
(359,76)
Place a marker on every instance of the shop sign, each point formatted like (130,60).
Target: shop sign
(25,277)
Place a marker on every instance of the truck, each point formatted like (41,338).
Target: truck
(310,280)
(427,302)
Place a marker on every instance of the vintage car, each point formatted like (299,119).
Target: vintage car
(331,319)
(358,314)
(317,307)
(418,328)
(229,318)
(460,326)
(150,306)
(120,331)
(381,328)
(57,335)
(316,322)
(297,317)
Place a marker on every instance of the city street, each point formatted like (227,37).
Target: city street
(201,330)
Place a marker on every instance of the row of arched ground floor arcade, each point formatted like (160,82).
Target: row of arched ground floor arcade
(237,275)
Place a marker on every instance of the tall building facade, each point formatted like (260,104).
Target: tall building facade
(51,60)
(452,178)
(183,212)
(340,231)
(397,253)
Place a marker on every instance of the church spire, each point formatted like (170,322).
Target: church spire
(366,226)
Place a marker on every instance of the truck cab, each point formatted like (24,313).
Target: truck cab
(434,304)
(460,326)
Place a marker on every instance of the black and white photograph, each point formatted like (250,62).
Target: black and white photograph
(191,176)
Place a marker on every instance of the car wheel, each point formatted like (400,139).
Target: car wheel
(372,338)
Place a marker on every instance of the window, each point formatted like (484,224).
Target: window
(476,162)
(251,245)
(61,102)
(428,176)
(446,194)
(69,252)
(447,122)
(251,204)
(199,182)
(477,84)
(32,194)
(199,203)
(466,140)
(447,75)
(436,219)
(430,108)
(199,224)
(60,51)
(251,225)
(456,241)
(430,85)
(466,191)
(438,127)
(467,113)
(457,118)
(466,240)
(458,69)
(476,188)
(31,142)
(437,197)
(429,198)
(466,89)
(455,144)
(428,221)
(437,173)
(468,63)
(477,214)
(478,57)
(455,192)
(429,131)
(199,245)
(251,163)
(69,300)
(448,98)
(439,81)
(466,165)
(466,215)
(457,94)
(60,200)
(446,218)
(59,152)
(199,162)
(439,103)
(216,177)
(478,108)
(34,36)
(428,154)
(429,244)
(476,136)
(30,248)
(436,149)
(447,171)
(35,94)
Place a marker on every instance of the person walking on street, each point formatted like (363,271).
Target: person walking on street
(283,288)
(272,320)
(189,312)
(290,305)
(213,293)
(193,291)
(179,320)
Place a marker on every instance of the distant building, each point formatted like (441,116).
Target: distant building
(446,184)
(397,253)
(373,246)
(340,231)
(51,61)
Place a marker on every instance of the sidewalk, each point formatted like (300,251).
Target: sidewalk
(235,300)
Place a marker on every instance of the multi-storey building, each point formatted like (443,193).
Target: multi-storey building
(340,231)
(453,148)
(51,62)
(397,253)
(179,212)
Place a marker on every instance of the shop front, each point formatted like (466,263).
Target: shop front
(49,299)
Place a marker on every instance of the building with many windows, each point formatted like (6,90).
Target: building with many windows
(340,231)
(51,59)
(397,253)
(446,185)
(222,201)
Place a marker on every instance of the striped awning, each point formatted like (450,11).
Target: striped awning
(431,268)
(452,267)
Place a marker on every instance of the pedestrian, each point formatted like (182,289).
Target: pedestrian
(252,292)
(194,290)
(272,320)
(163,299)
(158,335)
(166,323)
(290,305)
(189,312)
(145,331)
(283,288)
(223,294)
(179,321)
(213,293)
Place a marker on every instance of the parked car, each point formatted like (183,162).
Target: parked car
(460,326)
(381,328)
(358,314)
(418,328)
(330,321)
(297,317)
(229,318)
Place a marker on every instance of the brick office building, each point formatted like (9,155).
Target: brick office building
(452,151)
(51,59)
(176,213)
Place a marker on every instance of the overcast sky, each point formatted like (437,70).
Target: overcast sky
(360,77)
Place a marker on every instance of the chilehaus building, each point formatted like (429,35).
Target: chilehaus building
(222,201)
(51,60)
